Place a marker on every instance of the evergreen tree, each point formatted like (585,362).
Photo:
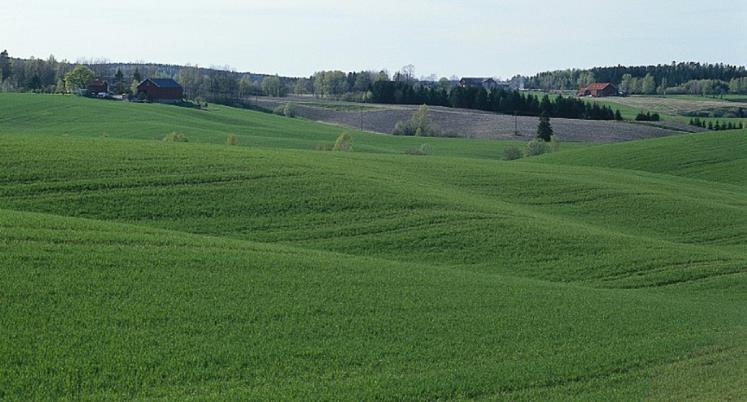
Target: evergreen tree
(4,65)
(618,116)
(136,75)
(119,85)
(544,129)
(710,125)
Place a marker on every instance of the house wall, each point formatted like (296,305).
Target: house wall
(155,93)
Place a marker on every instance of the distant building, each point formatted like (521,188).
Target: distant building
(487,83)
(599,90)
(163,90)
(97,86)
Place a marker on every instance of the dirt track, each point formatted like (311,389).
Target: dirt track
(474,124)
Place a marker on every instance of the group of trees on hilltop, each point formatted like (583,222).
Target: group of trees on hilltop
(403,89)
(497,100)
(675,78)
(228,87)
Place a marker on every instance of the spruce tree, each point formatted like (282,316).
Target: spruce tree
(544,129)
(119,85)
(5,65)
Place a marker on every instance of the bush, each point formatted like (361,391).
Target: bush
(648,116)
(175,137)
(286,109)
(512,153)
(344,142)
(419,125)
(290,110)
(423,149)
(404,128)
(537,147)
(231,140)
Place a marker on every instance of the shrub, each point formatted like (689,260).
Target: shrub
(344,142)
(512,153)
(286,109)
(648,116)
(175,137)
(404,128)
(419,125)
(423,149)
(231,140)
(536,147)
(290,110)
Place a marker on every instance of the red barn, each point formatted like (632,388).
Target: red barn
(599,90)
(164,90)
(97,86)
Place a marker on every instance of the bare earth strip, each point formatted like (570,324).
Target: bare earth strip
(475,124)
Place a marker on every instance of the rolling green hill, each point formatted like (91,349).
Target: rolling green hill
(719,157)
(59,115)
(138,269)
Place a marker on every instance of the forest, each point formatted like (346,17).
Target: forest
(664,79)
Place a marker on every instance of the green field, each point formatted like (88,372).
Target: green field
(59,115)
(672,108)
(135,268)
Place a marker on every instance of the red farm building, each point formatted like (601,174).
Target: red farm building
(599,90)
(163,90)
(97,86)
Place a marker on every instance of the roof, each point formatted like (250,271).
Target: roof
(164,82)
(598,86)
(476,79)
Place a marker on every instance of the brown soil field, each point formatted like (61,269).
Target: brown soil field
(471,123)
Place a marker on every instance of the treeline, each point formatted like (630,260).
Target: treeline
(496,100)
(711,79)
(212,84)
(717,126)
(221,85)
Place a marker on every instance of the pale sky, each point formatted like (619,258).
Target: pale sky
(443,37)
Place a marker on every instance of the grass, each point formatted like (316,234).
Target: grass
(144,269)
(58,115)
(716,156)
(671,108)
